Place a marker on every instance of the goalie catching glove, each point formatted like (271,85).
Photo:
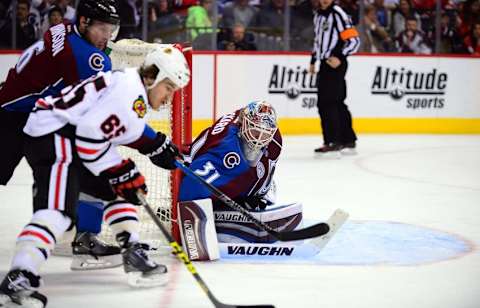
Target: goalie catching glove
(253,203)
(126,181)
(162,152)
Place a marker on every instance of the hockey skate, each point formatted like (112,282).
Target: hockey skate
(330,150)
(348,148)
(141,271)
(18,289)
(90,253)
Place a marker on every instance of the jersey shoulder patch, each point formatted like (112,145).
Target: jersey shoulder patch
(140,107)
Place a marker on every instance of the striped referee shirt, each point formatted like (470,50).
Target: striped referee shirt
(335,34)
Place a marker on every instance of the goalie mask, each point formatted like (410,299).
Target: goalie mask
(258,124)
(171,64)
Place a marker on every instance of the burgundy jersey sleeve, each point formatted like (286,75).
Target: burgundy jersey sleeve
(40,68)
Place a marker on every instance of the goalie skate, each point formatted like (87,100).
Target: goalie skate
(90,253)
(18,290)
(141,271)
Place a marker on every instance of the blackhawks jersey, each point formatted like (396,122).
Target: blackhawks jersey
(62,58)
(107,110)
(217,156)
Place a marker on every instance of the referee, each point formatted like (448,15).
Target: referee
(335,39)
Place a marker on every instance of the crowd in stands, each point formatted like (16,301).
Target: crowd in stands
(406,26)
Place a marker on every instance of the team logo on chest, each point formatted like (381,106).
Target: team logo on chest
(325,25)
(140,107)
(96,62)
(231,159)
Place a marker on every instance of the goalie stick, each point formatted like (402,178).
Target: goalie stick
(338,218)
(182,256)
(285,236)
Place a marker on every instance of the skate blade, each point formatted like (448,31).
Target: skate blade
(139,280)
(329,155)
(348,152)
(27,302)
(88,263)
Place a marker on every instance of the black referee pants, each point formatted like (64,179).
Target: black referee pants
(335,117)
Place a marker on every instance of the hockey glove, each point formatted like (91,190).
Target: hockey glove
(162,152)
(126,181)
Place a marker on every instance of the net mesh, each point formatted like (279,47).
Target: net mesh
(173,120)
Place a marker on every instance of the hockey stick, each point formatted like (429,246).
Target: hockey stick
(335,222)
(182,256)
(285,236)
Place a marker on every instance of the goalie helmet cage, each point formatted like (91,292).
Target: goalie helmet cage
(173,119)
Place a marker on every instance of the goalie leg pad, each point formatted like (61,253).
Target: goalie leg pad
(233,227)
(197,230)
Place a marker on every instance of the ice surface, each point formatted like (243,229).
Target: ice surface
(428,182)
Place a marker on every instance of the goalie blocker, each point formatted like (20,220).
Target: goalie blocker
(200,232)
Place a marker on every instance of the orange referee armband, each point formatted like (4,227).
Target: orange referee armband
(348,33)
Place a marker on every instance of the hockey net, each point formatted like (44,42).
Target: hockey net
(173,119)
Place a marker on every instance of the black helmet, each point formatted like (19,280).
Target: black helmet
(101,10)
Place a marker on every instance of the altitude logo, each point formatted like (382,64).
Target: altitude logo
(294,82)
(424,90)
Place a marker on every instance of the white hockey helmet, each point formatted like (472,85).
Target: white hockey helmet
(258,124)
(171,64)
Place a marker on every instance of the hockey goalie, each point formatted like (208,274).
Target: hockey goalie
(238,155)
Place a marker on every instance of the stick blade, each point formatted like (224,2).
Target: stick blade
(335,222)
(302,234)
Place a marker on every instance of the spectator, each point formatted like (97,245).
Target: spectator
(54,17)
(412,40)
(351,8)
(302,26)
(164,22)
(400,15)
(469,16)
(383,14)
(271,18)
(129,19)
(238,40)
(472,42)
(450,41)
(198,21)
(238,12)
(25,29)
(3,11)
(69,12)
(373,36)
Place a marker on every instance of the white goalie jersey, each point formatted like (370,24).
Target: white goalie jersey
(107,110)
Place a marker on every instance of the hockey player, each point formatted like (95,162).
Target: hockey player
(238,155)
(67,54)
(81,129)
